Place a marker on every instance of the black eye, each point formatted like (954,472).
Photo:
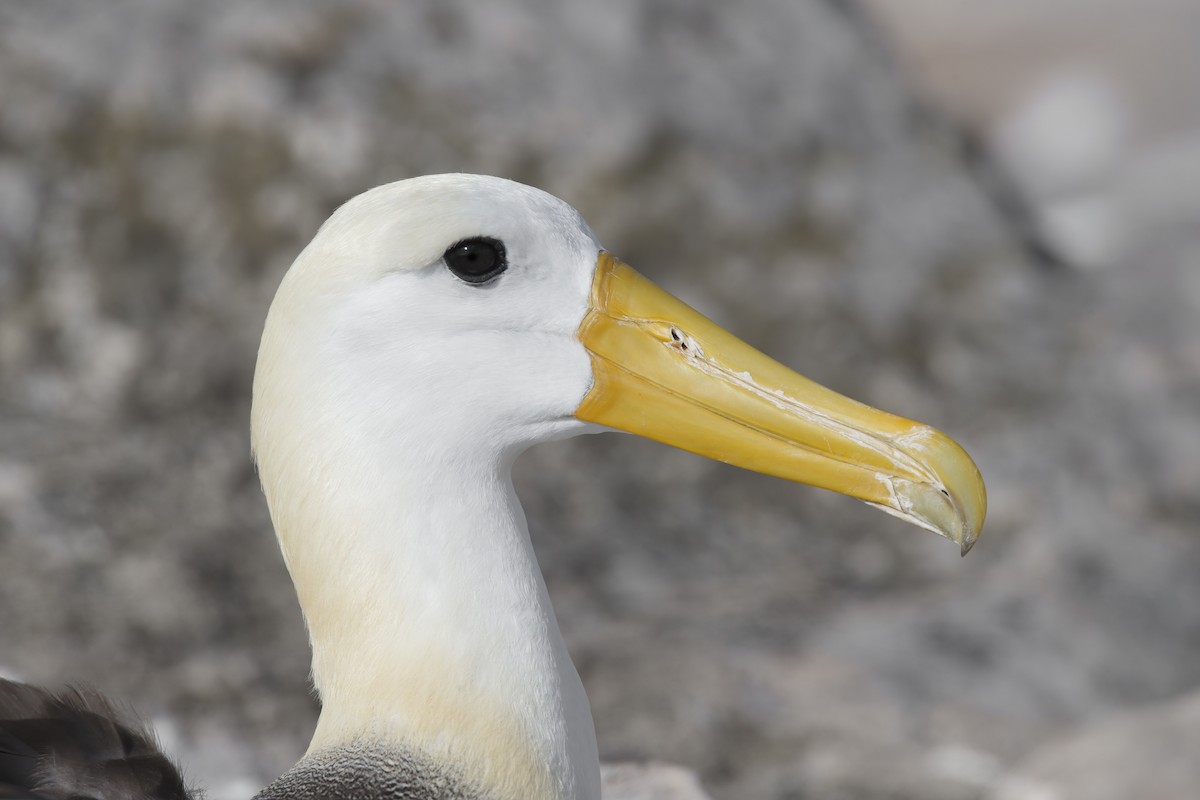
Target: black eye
(476,260)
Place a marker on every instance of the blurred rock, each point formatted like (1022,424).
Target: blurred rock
(1082,101)
(649,782)
(1148,754)
(1064,145)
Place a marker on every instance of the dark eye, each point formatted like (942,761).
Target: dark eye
(476,260)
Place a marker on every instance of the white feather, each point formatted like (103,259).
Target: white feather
(390,400)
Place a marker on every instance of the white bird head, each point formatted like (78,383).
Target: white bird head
(382,330)
(432,330)
(474,316)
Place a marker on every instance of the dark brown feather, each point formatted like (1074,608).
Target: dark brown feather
(74,745)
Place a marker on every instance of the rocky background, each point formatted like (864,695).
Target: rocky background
(984,218)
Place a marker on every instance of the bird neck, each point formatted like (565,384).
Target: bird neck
(430,623)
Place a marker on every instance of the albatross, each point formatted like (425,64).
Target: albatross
(433,330)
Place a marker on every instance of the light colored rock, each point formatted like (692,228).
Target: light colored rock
(650,781)
(1151,754)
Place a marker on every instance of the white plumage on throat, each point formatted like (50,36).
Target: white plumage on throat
(397,382)
(390,399)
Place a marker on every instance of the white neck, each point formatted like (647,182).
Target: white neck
(430,623)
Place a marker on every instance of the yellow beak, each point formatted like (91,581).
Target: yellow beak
(664,371)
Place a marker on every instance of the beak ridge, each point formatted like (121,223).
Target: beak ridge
(664,371)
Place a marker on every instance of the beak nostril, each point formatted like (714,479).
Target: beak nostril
(682,343)
(678,339)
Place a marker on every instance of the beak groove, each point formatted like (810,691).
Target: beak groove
(664,371)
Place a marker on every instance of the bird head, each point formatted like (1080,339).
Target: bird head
(468,317)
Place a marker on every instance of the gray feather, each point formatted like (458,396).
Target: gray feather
(74,745)
(367,772)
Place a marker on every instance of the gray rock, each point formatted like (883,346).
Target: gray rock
(1150,753)
(650,782)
